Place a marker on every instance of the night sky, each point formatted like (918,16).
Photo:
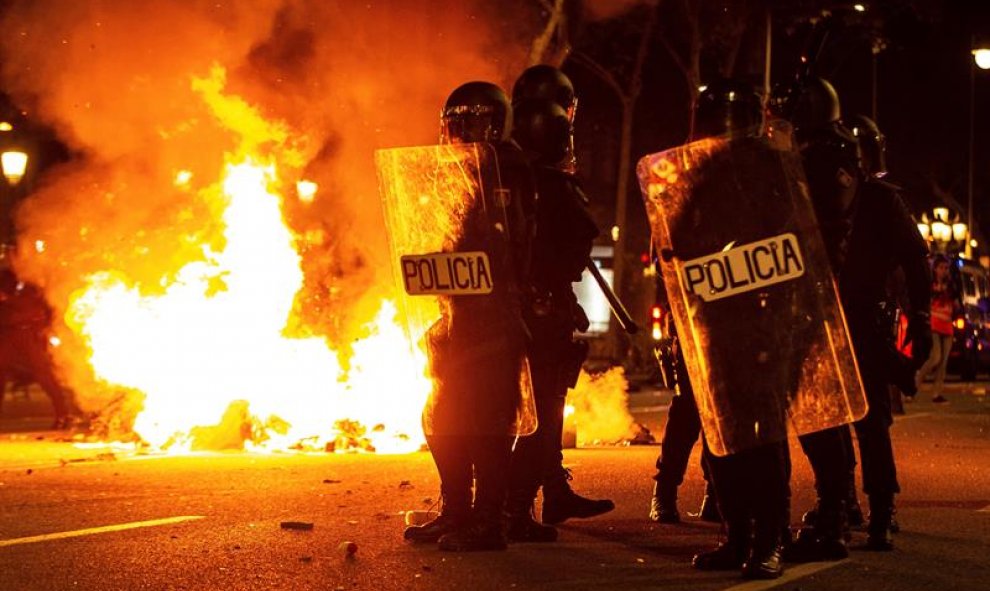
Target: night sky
(922,101)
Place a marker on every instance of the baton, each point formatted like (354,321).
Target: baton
(618,310)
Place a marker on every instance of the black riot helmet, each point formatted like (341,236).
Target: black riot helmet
(542,128)
(476,112)
(549,83)
(728,107)
(872,144)
(832,166)
(816,106)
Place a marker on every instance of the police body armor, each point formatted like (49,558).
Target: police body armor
(455,231)
(752,296)
(564,236)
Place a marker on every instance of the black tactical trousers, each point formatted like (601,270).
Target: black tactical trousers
(753,484)
(539,456)
(680,433)
(829,453)
(461,459)
(876,453)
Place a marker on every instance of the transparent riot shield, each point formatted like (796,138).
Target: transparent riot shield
(451,246)
(753,299)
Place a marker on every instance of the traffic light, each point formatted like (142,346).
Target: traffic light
(656,316)
(649,268)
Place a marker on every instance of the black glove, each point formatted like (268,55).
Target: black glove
(919,334)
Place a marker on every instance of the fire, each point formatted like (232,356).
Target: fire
(210,353)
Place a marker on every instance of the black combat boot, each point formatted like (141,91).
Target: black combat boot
(560,503)
(484,532)
(824,538)
(878,532)
(709,507)
(764,561)
(663,505)
(454,514)
(730,554)
(522,527)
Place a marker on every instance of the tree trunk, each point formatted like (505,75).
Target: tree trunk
(551,45)
(628,102)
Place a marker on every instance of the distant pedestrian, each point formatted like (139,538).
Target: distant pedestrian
(944,305)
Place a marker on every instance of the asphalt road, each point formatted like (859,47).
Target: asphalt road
(106,519)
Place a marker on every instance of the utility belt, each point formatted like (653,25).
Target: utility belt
(552,318)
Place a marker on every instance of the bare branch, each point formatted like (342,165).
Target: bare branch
(553,28)
(636,82)
(604,75)
(675,56)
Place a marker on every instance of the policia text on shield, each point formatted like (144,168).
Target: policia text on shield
(744,268)
(447,273)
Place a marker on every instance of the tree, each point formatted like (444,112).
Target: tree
(625,79)
(552,43)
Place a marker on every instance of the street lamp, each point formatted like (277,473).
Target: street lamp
(943,229)
(981,59)
(14,164)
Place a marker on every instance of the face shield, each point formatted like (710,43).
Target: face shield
(831,164)
(874,149)
(569,162)
(466,124)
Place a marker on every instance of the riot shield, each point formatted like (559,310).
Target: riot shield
(450,242)
(753,298)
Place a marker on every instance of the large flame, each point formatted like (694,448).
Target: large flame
(211,348)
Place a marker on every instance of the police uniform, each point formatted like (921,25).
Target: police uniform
(680,433)
(477,346)
(751,486)
(561,249)
(883,237)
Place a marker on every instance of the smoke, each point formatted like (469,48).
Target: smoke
(116,80)
(601,409)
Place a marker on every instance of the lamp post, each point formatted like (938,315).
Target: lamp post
(14,166)
(943,230)
(981,59)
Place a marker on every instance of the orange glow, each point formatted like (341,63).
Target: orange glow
(210,352)
(960,323)
(175,172)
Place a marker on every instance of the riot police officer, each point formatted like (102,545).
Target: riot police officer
(543,102)
(868,233)
(477,348)
(872,145)
(724,107)
(751,486)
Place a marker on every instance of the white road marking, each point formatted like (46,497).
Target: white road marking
(790,574)
(914,415)
(99,530)
(984,510)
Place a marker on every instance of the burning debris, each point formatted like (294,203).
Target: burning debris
(601,410)
(214,249)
